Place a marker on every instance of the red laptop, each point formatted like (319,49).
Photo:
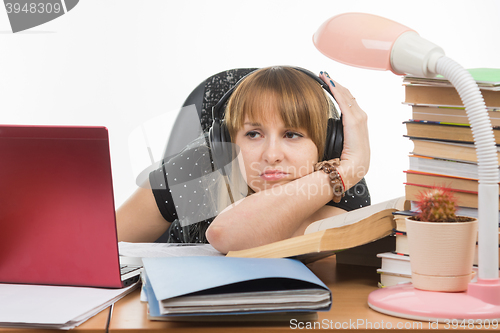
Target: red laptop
(57,213)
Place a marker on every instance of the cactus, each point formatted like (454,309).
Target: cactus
(437,205)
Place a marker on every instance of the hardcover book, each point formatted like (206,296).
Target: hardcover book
(444,96)
(449,115)
(430,179)
(446,132)
(444,167)
(463,198)
(448,150)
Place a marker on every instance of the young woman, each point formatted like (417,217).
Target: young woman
(277,117)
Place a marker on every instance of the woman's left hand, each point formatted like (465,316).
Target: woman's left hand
(355,159)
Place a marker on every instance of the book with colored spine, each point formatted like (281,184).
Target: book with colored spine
(447,150)
(449,115)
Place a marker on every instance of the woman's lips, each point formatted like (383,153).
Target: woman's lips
(271,175)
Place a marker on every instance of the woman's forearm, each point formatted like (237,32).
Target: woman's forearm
(270,215)
(138,219)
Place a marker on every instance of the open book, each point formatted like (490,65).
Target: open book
(328,236)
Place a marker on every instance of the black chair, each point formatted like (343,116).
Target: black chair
(203,97)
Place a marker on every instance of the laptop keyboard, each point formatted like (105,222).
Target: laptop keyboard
(124,269)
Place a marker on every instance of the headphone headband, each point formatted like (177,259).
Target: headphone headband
(216,109)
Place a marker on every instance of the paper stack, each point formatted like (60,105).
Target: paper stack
(53,307)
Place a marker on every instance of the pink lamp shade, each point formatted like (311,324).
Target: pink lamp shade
(361,40)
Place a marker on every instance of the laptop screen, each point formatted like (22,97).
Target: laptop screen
(57,215)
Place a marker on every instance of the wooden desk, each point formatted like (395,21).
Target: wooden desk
(98,323)
(350,286)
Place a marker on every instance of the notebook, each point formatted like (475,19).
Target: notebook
(57,208)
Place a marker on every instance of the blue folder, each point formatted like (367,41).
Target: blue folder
(170,277)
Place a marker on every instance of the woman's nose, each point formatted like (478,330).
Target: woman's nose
(273,152)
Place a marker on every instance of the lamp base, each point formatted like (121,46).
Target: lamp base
(405,301)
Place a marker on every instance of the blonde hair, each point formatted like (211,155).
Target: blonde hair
(297,98)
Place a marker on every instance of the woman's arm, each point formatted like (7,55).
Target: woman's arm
(270,215)
(138,219)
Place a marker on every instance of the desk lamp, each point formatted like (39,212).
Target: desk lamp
(374,42)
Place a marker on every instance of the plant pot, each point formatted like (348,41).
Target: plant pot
(441,254)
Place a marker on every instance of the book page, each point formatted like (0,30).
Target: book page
(355,215)
(148,250)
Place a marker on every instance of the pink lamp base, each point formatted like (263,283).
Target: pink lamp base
(407,302)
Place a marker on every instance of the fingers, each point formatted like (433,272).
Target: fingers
(344,98)
(326,78)
(342,95)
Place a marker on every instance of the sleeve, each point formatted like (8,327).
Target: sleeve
(162,194)
(180,194)
(356,197)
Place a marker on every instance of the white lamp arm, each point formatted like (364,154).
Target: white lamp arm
(487,163)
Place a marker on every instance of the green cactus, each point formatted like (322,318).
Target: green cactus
(437,205)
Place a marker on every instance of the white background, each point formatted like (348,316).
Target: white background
(124,63)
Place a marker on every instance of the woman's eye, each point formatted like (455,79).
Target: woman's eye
(292,135)
(252,134)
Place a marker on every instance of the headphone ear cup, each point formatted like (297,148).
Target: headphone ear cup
(334,139)
(215,146)
(220,144)
(224,133)
(227,147)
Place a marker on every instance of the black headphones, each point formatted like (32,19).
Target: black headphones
(220,140)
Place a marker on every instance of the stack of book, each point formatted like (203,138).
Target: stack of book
(395,269)
(444,152)
(395,265)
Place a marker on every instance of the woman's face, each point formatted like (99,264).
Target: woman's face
(273,154)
